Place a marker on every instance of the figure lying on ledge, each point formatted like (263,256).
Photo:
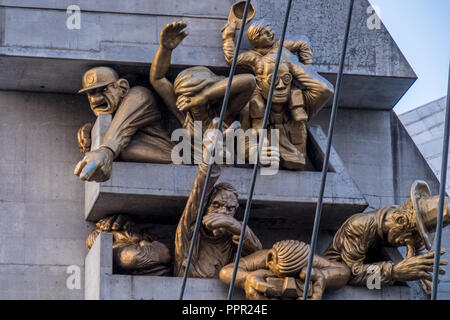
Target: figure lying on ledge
(134,252)
(412,225)
(279,273)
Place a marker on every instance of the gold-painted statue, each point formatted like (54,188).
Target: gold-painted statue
(220,231)
(134,251)
(411,224)
(279,273)
(197,93)
(135,133)
(291,107)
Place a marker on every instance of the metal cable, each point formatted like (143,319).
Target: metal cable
(437,256)
(327,154)
(260,144)
(208,172)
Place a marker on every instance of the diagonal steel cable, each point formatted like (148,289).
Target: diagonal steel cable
(208,172)
(437,256)
(260,145)
(334,109)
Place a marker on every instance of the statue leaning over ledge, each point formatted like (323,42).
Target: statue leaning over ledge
(220,231)
(135,133)
(197,93)
(291,107)
(412,225)
(279,273)
(134,252)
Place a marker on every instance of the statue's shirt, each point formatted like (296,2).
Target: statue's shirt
(352,242)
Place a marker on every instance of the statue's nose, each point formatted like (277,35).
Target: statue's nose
(280,84)
(95,98)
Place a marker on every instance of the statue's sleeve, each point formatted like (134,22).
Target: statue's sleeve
(301,48)
(251,242)
(419,247)
(137,110)
(355,243)
(247,59)
(254,261)
(186,225)
(316,89)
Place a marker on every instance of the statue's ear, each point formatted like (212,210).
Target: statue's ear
(123,84)
(401,219)
(271,259)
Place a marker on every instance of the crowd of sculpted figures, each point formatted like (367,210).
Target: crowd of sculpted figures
(195,96)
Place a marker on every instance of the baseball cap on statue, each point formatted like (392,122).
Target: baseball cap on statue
(98,77)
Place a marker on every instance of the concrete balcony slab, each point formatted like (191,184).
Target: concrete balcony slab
(39,53)
(102,284)
(157,192)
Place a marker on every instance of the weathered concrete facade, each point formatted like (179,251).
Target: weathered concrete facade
(425,125)
(42,203)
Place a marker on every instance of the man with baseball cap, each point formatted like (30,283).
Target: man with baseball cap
(135,133)
(412,225)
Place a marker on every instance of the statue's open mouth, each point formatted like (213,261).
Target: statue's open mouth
(102,107)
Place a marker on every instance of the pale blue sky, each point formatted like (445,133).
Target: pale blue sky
(421,29)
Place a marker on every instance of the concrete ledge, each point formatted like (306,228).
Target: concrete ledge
(101,284)
(158,192)
(50,57)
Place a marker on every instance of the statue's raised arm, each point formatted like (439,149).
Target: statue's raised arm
(170,37)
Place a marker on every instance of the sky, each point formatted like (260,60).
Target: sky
(421,29)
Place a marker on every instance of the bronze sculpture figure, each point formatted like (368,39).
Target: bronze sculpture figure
(219,232)
(196,91)
(278,273)
(291,107)
(135,133)
(134,251)
(412,225)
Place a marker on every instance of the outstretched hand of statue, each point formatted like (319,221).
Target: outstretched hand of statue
(185,103)
(257,288)
(95,166)
(172,34)
(113,223)
(416,267)
(124,230)
(229,30)
(317,283)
